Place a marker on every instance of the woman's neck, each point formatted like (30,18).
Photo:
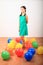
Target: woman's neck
(23,14)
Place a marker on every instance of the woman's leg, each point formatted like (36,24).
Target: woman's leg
(22,38)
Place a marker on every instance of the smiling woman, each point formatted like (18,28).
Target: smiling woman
(23,22)
(9,16)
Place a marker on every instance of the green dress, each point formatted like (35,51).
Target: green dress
(23,26)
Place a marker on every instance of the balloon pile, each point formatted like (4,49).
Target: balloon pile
(16,47)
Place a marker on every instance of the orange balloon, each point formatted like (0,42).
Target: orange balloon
(10,51)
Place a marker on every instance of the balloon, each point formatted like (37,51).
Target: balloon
(28,45)
(28,56)
(40,50)
(22,38)
(32,50)
(9,40)
(12,44)
(10,51)
(18,46)
(21,41)
(28,42)
(18,39)
(35,44)
(19,52)
(26,39)
(32,40)
(5,55)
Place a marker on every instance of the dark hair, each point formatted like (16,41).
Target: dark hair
(24,8)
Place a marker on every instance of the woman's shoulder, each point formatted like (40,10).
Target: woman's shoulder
(20,15)
(26,16)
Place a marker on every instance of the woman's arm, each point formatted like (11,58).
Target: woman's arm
(26,18)
(19,23)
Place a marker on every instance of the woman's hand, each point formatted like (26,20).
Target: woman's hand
(19,30)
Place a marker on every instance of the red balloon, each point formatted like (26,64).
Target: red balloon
(28,45)
(18,39)
(10,51)
(19,52)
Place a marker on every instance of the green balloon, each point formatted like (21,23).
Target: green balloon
(35,44)
(5,55)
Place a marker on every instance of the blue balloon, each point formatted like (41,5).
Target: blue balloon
(21,41)
(32,50)
(9,40)
(28,56)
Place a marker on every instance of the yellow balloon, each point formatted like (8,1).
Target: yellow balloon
(40,50)
(12,44)
(18,46)
(32,40)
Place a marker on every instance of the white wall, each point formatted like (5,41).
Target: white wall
(9,17)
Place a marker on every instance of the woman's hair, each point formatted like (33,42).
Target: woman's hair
(24,8)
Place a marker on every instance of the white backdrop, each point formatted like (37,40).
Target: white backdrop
(9,17)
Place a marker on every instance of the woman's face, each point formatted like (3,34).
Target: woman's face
(22,10)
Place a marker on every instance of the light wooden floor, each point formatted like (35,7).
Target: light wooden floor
(37,59)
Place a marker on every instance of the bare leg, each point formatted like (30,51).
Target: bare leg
(22,38)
